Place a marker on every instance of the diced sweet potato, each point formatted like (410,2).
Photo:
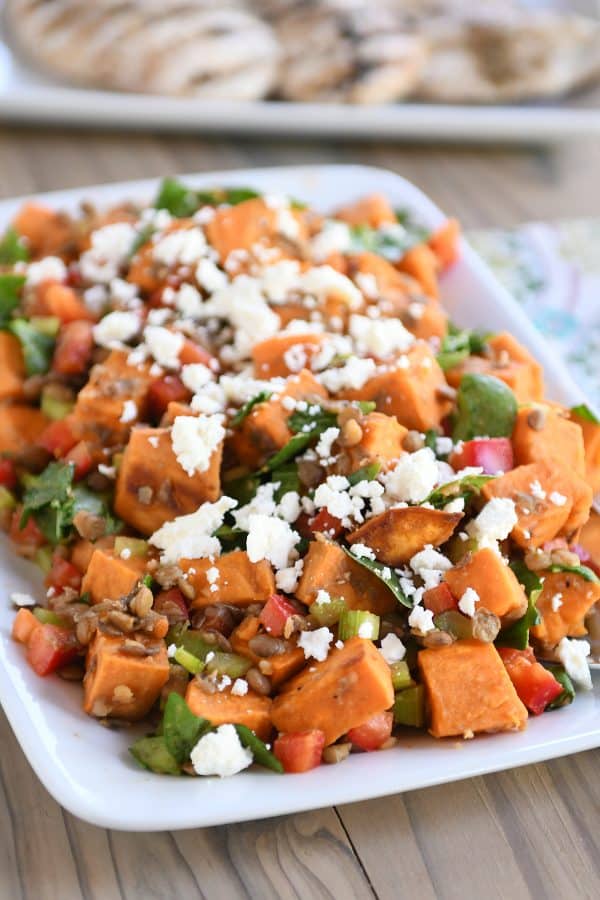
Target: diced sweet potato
(422,264)
(120,684)
(109,577)
(397,534)
(509,361)
(573,597)
(590,536)
(284,354)
(247,224)
(381,442)
(415,394)
(240,582)
(12,367)
(497,585)
(100,404)
(326,566)
(445,242)
(265,430)
(61,301)
(20,426)
(281,666)
(340,693)
(152,488)
(591,442)
(23,624)
(469,690)
(373,210)
(546,433)
(563,509)
(83,550)
(48,233)
(225,708)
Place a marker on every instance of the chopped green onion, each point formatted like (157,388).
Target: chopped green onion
(358,623)
(48,617)
(136,546)
(409,707)
(189,662)
(261,755)
(328,613)
(401,678)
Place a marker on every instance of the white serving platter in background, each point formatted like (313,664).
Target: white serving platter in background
(87,767)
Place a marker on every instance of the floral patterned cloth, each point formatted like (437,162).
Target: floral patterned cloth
(553,271)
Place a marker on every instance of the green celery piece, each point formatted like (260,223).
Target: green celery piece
(12,249)
(409,707)
(181,728)
(194,643)
(231,664)
(136,546)
(465,487)
(583,571)
(152,753)
(48,617)
(261,755)
(485,407)
(37,347)
(176,198)
(568,691)
(517,634)
(352,620)
(401,677)
(10,293)
(385,573)
(366,473)
(584,412)
(49,325)
(328,613)
(247,408)
(452,621)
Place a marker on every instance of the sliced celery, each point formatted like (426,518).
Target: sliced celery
(43,559)
(54,407)
(49,325)
(328,613)
(188,661)
(358,623)
(409,707)
(401,678)
(47,617)
(231,664)
(459,626)
(135,546)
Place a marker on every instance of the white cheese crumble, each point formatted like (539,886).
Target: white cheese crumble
(362,551)
(109,250)
(188,301)
(278,280)
(220,753)
(116,328)
(20,599)
(379,337)
(287,579)
(195,439)
(536,490)
(209,276)
(573,655)
(50,268)
(467,602)
(183,247)
(191,536)
(326,440)
(130,411)
(392,649)
(195,376)
(324,281)
(421,620)
(557,499)
(494,523)
(171,650)
(240,687)
(429,565)
(243,305)
(164,345)
(414,476)
(353,375)
(366,630)
(315,643)
(556,602)
(271,539)
(334,237)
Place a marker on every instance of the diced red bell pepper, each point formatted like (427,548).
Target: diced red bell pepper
(299,751)
(50,647)
(23,625)
(372,733)
(535,685)
(171,604)
(81,457)
(63,574)
(8,474)
(30,535)
(194,353)
(493,455)
(165,390)
(57,438)
(74,346)
(327,524)
(275,614)
(439,599)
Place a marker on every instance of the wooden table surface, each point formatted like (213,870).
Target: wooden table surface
(533,832)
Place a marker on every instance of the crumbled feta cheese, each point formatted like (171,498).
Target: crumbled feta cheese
(322,596)
(414,476)
(195,439)
(110,247)
(125,553)
(455,506)
(240,687)
(116,328)
(191,536)
(333,495)
(164,345)
(315,643)
(557,499)
(379,337)
(421,620)
(367,282)
(323,281)
(50,268)
(467,602)
(154,441)
(443,445)
(243,305)
(366,630)
(96,298)
(183,247)
(195,376)
(362,551)
(209,276)
(271,539)
(326,440)
(392,649)
(278,280)
(220,753)
(556,602)
(295,357)
(107,471)
(171,651)
(213,574)
(334,237)
(289,507)
(210,399)
(536,490)
(287,579)
(20,599)
(130,411)
(188,301)
(353,375)
(429,565)
(573,655)
(494,523)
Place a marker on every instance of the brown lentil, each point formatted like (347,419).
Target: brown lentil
(258,682)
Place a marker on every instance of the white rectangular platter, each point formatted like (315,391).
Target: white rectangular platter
(87,767)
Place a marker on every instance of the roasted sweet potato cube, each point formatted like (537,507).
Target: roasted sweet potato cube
(123,684)
(545,433)
(12,367)
(565,600)
(152,488)
(284,354)
(109,577)
(509,361)
(246,225)
(591,443)
(279,667)
(98,413)
(239,581)
(397,534)
(373,210)
(47,232)
(469,690)
(381,442)
(497,585)
(20,426)
(326,566)
(351,685)
(225,708)
(414,392)
(422,264)
(265,430)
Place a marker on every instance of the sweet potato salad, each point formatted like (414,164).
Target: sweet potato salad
(285,509)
